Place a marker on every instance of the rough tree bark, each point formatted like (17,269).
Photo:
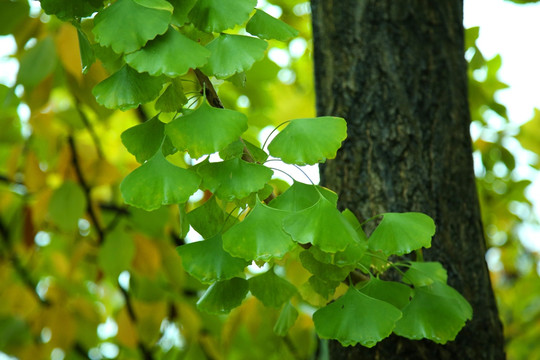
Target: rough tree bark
(395,71)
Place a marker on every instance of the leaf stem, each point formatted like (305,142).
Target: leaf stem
(273,131)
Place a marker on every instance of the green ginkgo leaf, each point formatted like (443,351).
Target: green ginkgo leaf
(67,205)
(309,141)
(223,296)
(425,273)
(173,97)
(259,236)
(324,271)
(271,289)
(219,15)
(42,53)
(181,11)
(322,225)
(208,262)
(127,25)
(209,219)
(243,147)
(392,292)
(436,312)
(116,253)
(126,89)
(287,318)
(268,27)
(70,9)
(88,57)
(161,55)
(234,179)
(325,288)
(232,54)
(158,182)
(356,318)
(145,139)
(301,196)
(401,233)
(206,130)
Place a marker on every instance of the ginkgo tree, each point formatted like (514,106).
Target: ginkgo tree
(173,55)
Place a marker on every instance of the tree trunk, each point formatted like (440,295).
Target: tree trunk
(395,71)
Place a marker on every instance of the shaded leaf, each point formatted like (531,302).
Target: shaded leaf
(145,139)
(67,206)
(172,99)
(208,262)
(218,15)
(44,54)
(326,272)
(238,149)
(268,27)
(309,141)
(206,130)
(223,296)
(325,288)
(392,292)
(87,52)
(209,218)
(300,196)
(12,13)
(425,273)
(356,318)
(181,10)
(287,318)
(158,182)
(70,9)
(116,253)
(401,233)
(271,289)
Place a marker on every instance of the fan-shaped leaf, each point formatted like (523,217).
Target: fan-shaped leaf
(172,98)
(234,179)
(206,130)
(67,205)
(323,287)
(127,25)
(232,54)
(401,233)
(356,318)
(223,296)
(69,9)
(267,27)
(145,139)
(392,292)
(287,318)
(436,312)
(301,196)
(321,225)
(324,271)
(127,89)
(425,273)
(44,54)
(160,56)
(158,182)
(209,218)
(116,253)
(271,289)
(219,15)
(208,262)
(309,141)
(237,149)
(259,236)
(181,11)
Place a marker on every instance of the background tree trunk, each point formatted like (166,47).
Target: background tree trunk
(395,71)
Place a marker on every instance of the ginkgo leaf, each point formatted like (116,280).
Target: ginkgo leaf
(323,287)
(271,289)
(116,253)
(173,97)
(127,25)
(208,262)
(321,225)
(268,27)
(69,9)
(350,256)
(88,57)
(238,149)
(436,312)
(325,271)
(181,11)
(287,318)
(234,179)
(158,182)
(171,54)
(309,141)
(392,292)
(300,196)
(223,296)
(232,54)
(145,139)
(425,273)
(259,236)
(219,15)
(401,233)
(127,89)
(67,206)
(209,219)
(206,130)
(42,53)
(356,318)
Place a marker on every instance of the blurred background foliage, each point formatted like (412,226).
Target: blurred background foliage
(68,292)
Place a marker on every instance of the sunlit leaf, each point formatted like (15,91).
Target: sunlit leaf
(309,141)
(356,318)
(401,233)
(321,225)
(127,89)
(160,56)
(67,205)
(181,10)
(270,289)
(436,312)
(425,273)
(232,54)
(172,99)
(218,15)
(287,318)
(267,27)
(392,292)
(208,262)
(145,139)
(158,182)
(127,25)
(206,130)
(44,54)
(234,179)
(259,236)
(223,296)
(116,253)
(301,196)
